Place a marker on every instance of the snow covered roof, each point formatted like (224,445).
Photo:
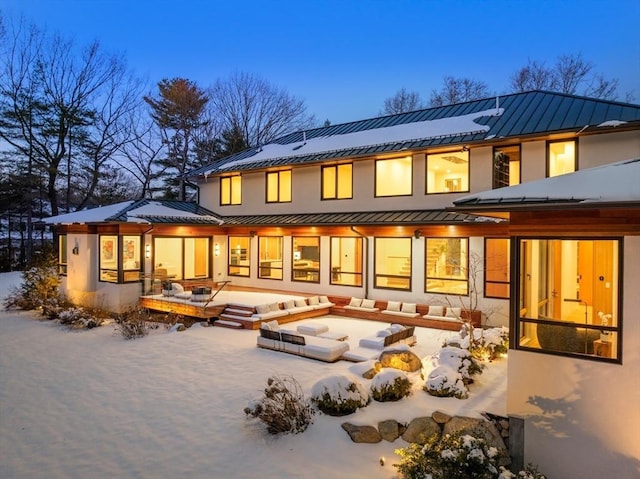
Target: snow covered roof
(613,183)
(141,211)
(475,122)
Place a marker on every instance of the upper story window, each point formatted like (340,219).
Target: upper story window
(561,157)
(448,172)
(62,254)
(239,257)
(496,267)
(394,177)
(346,260)
(569,297)
(447,265)
(306,259)
(279,186)
(393,263)
(270,255)
(231,190)
(506,166)
(337,182)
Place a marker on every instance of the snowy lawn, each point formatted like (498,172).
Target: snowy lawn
(89,404)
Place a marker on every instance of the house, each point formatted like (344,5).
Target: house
(356,209)
(574,285)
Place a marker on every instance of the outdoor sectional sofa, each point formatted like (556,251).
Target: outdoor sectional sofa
(391,336)
(314,347)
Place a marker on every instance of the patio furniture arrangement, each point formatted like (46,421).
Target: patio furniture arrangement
(322,349)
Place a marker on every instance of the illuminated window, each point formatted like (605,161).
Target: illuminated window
(109,258)
(346,260)
(506,166)
(568,297)
(306,259)
(561,157)
(394,177)
(447,265)
(448,172)
(393,263)
(279,186)
(337,182)
(62,254)
(131,258)
(231,190)
(239,257)
(270,256)
(181,257)
(496,270)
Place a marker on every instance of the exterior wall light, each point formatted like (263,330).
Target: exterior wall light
(216,249)
(147,251)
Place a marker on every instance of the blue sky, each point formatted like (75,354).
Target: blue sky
(345,57)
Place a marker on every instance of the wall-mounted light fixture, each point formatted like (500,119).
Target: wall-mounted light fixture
(76,248)
(147,251)
(252,233)
(216,249)
(417,234)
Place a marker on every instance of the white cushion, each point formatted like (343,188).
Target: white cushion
(383,333)
(436,311)
(274,307)
(289,304)
(273,325)
(262,308)
(300,302)
(408,307)
(395,328)
(265,326)
(355,302)
(177,287)
(324,299)
(368,303)
(453,312)
(313,301)
(393,306)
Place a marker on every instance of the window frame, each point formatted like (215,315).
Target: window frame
(465,268)
(487,281)
(335,275)
(377,275)
(337,182)
(442,155)
(548,155)
(62,254)
(241,252)
(230,179)
(495,166)
(310,274)
(109,267)
(262,268)
(379,161)
(279,195)
(518,310)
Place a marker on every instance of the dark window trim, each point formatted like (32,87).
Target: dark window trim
(445,279)
(546,153)
(375,177)
(484,276)
(279,172)
(281,268)
(493,163)
(375,274)
(335,198)
(356,274)
(229,178)
(229,265)
(318,271)
(426,172)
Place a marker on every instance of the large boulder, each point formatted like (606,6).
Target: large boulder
(420,430)
(400,359)
(481,429)
(389,429)
(366,434)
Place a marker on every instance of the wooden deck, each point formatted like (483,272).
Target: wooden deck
(186,308)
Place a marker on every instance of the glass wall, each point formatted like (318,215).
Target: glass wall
(346,260)
(239,256)
(306,259)
(270,257)
(446,266)
(392,263)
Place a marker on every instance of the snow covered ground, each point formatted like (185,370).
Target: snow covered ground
(89,404)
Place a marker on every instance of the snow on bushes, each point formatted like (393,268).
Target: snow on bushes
(453,370)
(76,317)
(486,344)
(390,385)
(339,395)
(283,409)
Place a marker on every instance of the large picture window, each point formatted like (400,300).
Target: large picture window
(393,263)
(181,257)
(279,186)
(231,190)
(337,182)
(496,267)
(569,296)
(394,177)
(346,260)
(447,265)
(239,257)
(561,157)
(306,259)
(270,256)
(109,258)
(448,172)
(506,166)
(131,255)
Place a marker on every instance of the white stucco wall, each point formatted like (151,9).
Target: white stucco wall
(582,418)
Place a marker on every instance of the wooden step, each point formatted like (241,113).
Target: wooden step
(221,323)
(232,317)
(239,312)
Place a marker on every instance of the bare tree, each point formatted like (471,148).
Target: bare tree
(457,90)
(403,101)
(178,111)
(261,111)
(534,76)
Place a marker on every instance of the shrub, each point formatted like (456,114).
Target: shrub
(76,317)
(460,360)
(39,285)
(459,456)
(339,395)
(390,385)
(283,409)
(529,472)
(444,381)
(133,323)
(486,343)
